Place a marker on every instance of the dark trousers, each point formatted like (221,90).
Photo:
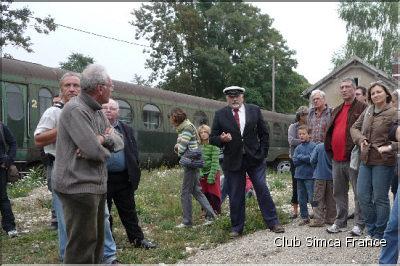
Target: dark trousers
(84,222)
(236,182)
(120,192)
(7,216)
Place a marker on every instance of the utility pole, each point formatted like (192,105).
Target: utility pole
(273,84)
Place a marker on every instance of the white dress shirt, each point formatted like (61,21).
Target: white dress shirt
(242,118)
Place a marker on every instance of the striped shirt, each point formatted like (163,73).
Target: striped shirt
(187,137)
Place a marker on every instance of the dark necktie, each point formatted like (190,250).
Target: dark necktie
(236,116)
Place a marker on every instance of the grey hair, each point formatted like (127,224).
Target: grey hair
(116,102)
(69,74)
(353,82)
(321,93)
(93,75)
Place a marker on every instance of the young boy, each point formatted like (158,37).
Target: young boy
(325,207)
(304,172)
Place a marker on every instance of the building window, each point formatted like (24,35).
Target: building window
(15,102)
(200,118)
(151,116)
(356,80)
(45,100)
(125,112)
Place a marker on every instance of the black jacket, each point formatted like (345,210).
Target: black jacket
(131,155)
(7,156)
(254,142)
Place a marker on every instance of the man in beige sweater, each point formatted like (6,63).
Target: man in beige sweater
(84,142)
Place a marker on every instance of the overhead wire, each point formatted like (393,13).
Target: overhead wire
(96,34)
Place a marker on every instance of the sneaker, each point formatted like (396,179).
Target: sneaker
(333,229)
(12,233)
(304,222)
(182,225)
(356,231)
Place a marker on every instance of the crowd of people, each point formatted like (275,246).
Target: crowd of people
(354,143)
(92,161)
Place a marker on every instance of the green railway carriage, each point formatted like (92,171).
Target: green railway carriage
(27,90)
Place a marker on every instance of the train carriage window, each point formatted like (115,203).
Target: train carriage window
(125,112)
(200,118)
(277,131)
(151,116)
(15,102)
(45,100)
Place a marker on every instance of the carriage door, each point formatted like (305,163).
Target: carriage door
(14,97)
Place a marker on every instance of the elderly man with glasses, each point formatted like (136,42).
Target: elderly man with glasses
(85,140)
(319,116)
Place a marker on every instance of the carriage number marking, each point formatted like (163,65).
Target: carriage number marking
(34,103)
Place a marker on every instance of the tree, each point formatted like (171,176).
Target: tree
(14,23)
(200,48)
(139,80)
(77,62)
(372,32)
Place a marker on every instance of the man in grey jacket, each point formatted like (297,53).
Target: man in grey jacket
(84,142)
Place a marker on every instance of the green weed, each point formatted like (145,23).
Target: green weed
(35,178)
(159,211)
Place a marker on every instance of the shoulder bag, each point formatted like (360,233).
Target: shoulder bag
(192,158)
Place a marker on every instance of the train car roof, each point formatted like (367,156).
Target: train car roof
(32,71)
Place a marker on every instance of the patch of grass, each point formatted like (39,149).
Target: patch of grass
(159,211)
(34,179)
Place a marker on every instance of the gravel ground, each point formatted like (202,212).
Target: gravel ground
(266,247)
(31,212)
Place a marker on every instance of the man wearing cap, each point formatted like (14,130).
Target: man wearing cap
(240,130)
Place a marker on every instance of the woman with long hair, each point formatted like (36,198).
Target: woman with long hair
(371,131)
(188,140)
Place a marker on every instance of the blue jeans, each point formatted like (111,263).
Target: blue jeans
(110,249)
(390,253)
(373,193)
(305,190)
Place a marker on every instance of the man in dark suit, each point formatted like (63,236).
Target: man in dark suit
(123,179)
(240,130)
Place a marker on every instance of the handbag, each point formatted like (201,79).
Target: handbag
(192,159)
(13,174)
(355,157)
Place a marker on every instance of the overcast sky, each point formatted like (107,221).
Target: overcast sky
(313,30)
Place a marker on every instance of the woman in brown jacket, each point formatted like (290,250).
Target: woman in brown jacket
(370,131)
